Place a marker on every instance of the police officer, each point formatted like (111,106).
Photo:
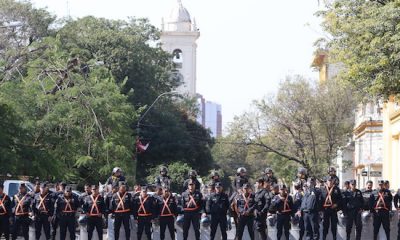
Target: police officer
(22,210)
(59,191)
(168,210)
(380,204)
(43,210)
(36,189)
(269,176)
(263,197)
(332,199)
(297,200)
(192,204)
(367,193)
(122,208)
(282,205)
(353,203)
(65,208)
(163,180)
(192,178)
(245,205)
(94,207)
(310,207)
(332,174)
(86,192)
(301,176)
(5,213)
(218,205)
(240,179)
(115,177)
(214,177)
(144,211)
(396,200)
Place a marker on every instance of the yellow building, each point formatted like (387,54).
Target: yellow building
(391,142)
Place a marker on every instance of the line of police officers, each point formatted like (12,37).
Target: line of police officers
(306,206)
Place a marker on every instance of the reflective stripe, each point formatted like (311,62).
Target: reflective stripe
(41,203)
(191,201)
(142,202)
(381,200)
(19,210)
(246,201)
(121,204)
(2,205)
(94,207)
(68,207)
(328,199)
(166,207)
(286,207)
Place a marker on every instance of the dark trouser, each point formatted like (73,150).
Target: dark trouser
(301,227)
(92,223)
(311,224)
(5,226)
(21,222)
(244,221)
(330,219)
(221,220)
(381,218)
(169,222)
(42,220)
(282,223)
(144,223)
(119,220)
(54,226)
(67,222)
(398,230)
(353,216)
(261,226)
(194,219)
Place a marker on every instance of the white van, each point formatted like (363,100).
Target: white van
(11,187)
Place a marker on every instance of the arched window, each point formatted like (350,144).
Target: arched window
(177,58)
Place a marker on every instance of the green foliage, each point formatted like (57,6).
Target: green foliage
(365,38)
(178,171)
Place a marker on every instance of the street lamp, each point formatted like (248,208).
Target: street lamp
(140,120)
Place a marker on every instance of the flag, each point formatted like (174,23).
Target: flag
(140,147)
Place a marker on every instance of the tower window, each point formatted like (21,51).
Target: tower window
(177,58)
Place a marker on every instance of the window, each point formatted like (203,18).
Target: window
(177,58)
(13,189)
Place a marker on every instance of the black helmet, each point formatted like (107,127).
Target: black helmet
(214,174)
(192,173)
(331,169)
(241,170)
(302,170)
(268,170)
(163,169)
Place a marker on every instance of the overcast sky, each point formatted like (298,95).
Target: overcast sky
(245,49)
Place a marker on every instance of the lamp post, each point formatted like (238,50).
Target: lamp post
(140,120)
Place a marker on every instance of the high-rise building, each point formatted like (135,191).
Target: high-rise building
(210,116)
(178,37)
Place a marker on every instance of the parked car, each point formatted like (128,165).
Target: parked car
(11,187)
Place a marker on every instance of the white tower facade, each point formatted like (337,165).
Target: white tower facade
(178,37)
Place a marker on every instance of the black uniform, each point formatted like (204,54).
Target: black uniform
(192,204)
(353,204)
(332,200)
(5,213)
(54,223)
(297,200)
(283,206)
(95,208)
(396,201)
(81,197)
(113,180)
(380,204)
(335,180)
(43,209)
(310,206)
(22,207)
(218,205)
(245,206)
(239,182)
(65,209)
(168,209)
(272,180)
(145,210)
(122,208)
(263,199)
(196,183)
(163,181)
(366,195)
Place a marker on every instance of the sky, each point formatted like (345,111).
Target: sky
(245,49)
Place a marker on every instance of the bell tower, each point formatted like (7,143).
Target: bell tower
(178,37)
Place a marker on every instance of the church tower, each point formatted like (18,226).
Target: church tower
(178,37)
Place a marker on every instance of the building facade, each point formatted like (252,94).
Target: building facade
(210,116)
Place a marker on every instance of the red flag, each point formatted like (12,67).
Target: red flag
(140,147)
